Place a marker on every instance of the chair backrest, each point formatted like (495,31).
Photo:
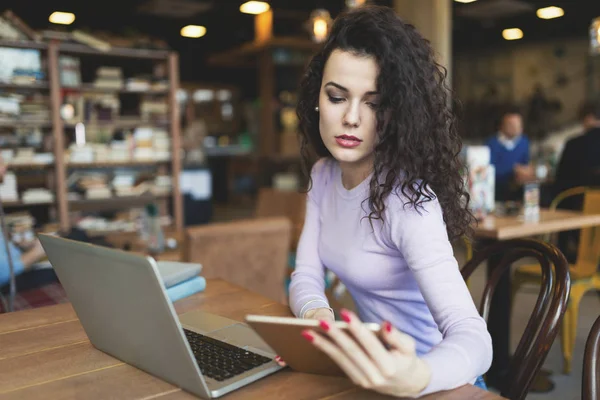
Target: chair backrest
(566,194)
(250,253)
(590,388)
(547,314)
(572,196)
(279,203)
(588,252)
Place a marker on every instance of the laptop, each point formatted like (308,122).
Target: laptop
(123,307)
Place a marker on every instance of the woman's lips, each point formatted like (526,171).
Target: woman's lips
(347,141)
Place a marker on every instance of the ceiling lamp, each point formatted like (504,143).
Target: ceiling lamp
(465,1)
(62,18)
(595,36)
(193,31)
(512,34)
(550,12)
(320,24)
(255,7)
(355,3)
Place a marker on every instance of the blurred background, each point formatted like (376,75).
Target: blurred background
(127,122)
(237,78)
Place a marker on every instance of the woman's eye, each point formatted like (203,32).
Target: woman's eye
(335,100)
(372,105)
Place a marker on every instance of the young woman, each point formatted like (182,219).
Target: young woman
(386,198)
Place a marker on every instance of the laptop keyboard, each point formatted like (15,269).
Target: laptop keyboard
(220,360)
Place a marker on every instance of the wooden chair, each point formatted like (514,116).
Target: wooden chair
(584,274)
(547,314)
(562,196)
(250,253)
(289,204)
(279,203)
(590,388)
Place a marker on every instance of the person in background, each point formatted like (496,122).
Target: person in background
(579,165)
(23,256)
(509,151)
(386,199)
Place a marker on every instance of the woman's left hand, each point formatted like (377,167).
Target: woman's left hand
(396,371)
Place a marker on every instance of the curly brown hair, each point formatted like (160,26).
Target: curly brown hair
(418,147)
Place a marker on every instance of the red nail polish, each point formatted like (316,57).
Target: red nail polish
(345,315)
(324,325)
(277,358)
(387,326)
(308,336)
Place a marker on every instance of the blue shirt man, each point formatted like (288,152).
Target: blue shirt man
(509,152)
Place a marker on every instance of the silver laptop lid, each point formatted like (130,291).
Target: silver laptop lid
(124,309)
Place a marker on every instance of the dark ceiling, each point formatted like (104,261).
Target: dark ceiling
(227,27)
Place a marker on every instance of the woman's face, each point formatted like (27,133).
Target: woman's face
(347,103)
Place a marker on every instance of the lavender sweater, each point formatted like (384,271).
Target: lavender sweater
(402,270)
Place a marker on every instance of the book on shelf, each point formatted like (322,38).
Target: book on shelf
(8,187)
(70,73)
(38,195)
(109,78)
(137,84)
(98,193)
(20,30)
(92,41)
(9,107)
(20,66)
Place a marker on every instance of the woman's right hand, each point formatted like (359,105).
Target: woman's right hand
(318,314)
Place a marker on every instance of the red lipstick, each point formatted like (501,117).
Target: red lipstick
(348,141)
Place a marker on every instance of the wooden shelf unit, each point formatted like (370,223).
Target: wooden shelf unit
(112,203)
(17,123)
(31,167)
(18,86)
(259,54)
(53,50)
(116,164)
(88,87)
(20,203)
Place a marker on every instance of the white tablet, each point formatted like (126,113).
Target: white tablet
(284,335)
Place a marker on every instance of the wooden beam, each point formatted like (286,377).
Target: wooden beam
(124,52)
(266,90)
(23,44)
(245,53)
(175,140)
(59,138)
(263,27)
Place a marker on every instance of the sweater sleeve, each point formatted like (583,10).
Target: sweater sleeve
(465,351)
(307,288)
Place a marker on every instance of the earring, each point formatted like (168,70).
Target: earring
(317,108)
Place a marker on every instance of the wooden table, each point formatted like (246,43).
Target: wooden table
(512,227)
(496,228)
(45,354)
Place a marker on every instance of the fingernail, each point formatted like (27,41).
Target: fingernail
(308,336)
(324,325)
(387,326)
(277,358)
(345,315)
